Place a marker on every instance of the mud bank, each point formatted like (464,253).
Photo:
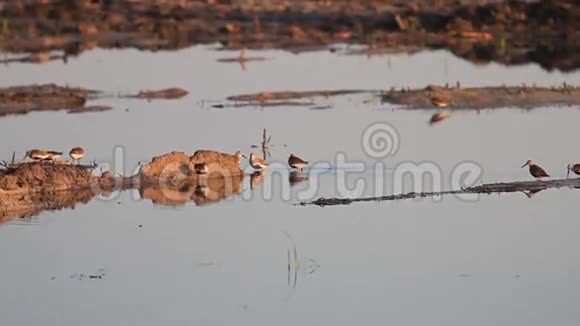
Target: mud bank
(511,32)
(528,188)
(23,99)
(455,96)
(51,97)
(484,97)
(32,187)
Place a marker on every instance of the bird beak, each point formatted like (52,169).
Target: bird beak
(244,156)
(523,166)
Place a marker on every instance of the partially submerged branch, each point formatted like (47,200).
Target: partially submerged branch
(527,187)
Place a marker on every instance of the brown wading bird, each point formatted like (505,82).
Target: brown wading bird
(258,163)
(535,170)
(238,155)
(574,168)
(42,155)
(296,162)
(77,154)
(440,102)
(200,168)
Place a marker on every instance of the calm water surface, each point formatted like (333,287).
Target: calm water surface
(501,260)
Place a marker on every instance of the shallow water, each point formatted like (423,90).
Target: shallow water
(501,259)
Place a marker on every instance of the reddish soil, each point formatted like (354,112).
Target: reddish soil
(30,187)
(511,32)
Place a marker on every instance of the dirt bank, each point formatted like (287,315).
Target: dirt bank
(484,97)
(511,32)
(456,97)
(23,99)
(51,97)
(170,179)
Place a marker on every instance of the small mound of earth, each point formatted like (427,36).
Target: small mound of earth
(179,166)
(36,177)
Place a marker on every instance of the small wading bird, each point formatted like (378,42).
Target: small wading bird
(200,168)
(574,168)
(77,154)
(42,155)
(296,162)
(535,170)
(440,102)
(258,163)
(238,155)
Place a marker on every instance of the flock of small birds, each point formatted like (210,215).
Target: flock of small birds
(294,162)
(538,172)
(41,155)
(258,163)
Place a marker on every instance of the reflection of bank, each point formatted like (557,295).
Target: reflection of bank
(29,205)
(202,191)
(206,177)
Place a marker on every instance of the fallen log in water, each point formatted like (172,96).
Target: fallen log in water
(529,188)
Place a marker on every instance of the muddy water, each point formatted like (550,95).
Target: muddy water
(506,260)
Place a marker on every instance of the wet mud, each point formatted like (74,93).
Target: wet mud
(510,32)
(450,96)
(51,97)
(29,188)
(454,97)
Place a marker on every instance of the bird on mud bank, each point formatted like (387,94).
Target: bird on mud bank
(257,162)
(535,170)
(440,102)
(77,153)
(201,168)
(42,155)
(238,155)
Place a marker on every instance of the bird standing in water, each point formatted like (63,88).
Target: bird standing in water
(535,170)
(258,163)
(296,162)
(574,168)
(440,102)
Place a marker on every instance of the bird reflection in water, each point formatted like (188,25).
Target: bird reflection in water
(531,193)
(256,179)
(297,177)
